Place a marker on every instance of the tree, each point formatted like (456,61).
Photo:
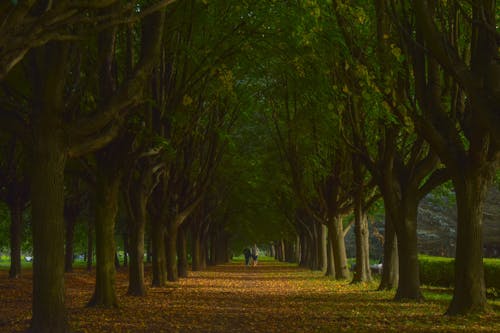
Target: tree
(463,133)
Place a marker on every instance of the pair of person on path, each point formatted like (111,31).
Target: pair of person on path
(254,254)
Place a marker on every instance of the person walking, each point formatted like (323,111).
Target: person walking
(247,253)
(255,254)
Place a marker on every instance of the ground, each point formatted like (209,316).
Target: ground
(271,297)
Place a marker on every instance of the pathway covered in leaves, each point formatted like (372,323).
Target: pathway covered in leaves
(272,297)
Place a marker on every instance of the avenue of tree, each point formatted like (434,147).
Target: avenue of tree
(195,127)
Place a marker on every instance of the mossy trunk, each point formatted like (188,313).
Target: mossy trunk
(107,191)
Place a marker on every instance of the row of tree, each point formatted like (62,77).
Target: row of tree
(165,114)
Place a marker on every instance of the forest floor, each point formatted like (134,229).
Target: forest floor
(271,297)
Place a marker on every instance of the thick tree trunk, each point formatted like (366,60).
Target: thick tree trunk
(171,248)
(47,189)
(390,268)
(406,231)
(16,227)
(158,254)
(49,155)
(107,191)
(469,294)
(336,230)
(182,262)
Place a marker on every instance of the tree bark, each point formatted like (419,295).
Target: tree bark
(16,228)
(182,262)
(323,248)
(362,272)
(158,253)
(49,155)
(330,267)
(137,226)
(336,230)
(390,268)
(406,231)
(90,245)
(171,248)
(469,295)
(107,191)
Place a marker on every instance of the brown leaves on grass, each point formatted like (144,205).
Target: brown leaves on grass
(233,298)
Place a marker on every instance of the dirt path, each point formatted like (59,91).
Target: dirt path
(231,298)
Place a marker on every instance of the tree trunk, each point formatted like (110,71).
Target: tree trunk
(70,223)
(406,231)
(330,267)
(362,272)
(196,252)
(137,227)
(339,253)
(49,155)
(158,255)
(469,294)
(16,227)
(390,270)
(323,248)
(90,245)
(298,249)
(212,255)
(171,248)
(47,189)
(182,262)
(107,191)
(136,285)
(304,249)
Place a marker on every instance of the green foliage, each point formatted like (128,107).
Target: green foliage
(436,271)
(439,271)
(492,276)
